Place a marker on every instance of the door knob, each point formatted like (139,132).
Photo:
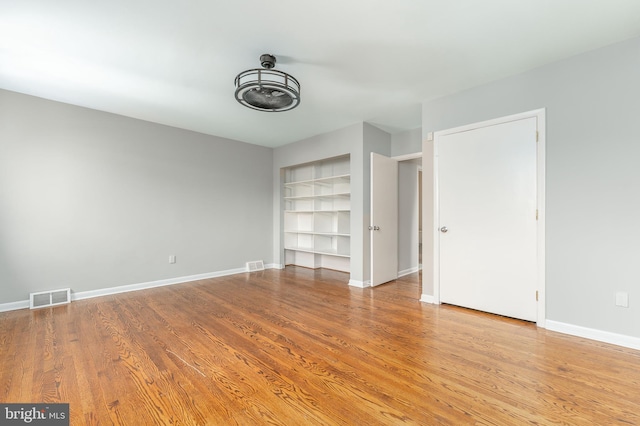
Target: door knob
(376,228)
(370,228)
(443,229)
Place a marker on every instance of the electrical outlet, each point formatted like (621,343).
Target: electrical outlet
(172,258)
(622,299)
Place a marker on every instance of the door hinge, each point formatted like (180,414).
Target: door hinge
(537,136)
(536,295)
(536,214)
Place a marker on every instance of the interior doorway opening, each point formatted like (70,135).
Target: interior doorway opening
(401,197)
(409,212)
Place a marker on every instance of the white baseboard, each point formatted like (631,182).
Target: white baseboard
(576,330)
(151,284)
(273,266)
(408,271)
(12,306)
(427,298)
(593,334)
(360,284)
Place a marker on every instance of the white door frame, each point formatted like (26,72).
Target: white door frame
(420,213)
(540,170)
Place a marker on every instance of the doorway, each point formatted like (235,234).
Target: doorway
(409,215)
(396,195)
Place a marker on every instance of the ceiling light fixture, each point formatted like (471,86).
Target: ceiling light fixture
(267,89)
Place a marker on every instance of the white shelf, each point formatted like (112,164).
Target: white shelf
(325,252)
(346,178)
(330,234)
(300,182)
(317,211)
(305,197)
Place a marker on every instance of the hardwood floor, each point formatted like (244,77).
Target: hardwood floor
(298,347)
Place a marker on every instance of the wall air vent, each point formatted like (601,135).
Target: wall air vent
(44,299)
(256,265)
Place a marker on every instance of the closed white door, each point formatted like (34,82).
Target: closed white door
(384,219)
(486,186)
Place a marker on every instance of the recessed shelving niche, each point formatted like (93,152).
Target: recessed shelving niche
(317,214)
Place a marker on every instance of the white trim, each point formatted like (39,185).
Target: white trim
(436,222)
(541,231)
(420,203)
(492,122)
(539,114)
(360,284)
(427,298)
(274,266)
(593,334)
(151,284)
(406,157)
(12,306)
(408,271)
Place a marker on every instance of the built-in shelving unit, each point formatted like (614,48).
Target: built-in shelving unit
(317,214)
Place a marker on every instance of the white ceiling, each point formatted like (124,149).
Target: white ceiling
(174,62)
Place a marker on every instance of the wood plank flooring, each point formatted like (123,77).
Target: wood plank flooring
(300,347)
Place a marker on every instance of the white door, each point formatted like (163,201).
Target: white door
(486,186)
(384,219)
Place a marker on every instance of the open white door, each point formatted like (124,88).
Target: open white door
(488,227)
(384,219)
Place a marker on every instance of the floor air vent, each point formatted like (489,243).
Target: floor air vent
(257,265)
(43,299)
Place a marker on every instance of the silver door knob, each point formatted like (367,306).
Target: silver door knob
(370,228)
(443,229)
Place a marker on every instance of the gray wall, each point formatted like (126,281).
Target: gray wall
(592,105)
(92,200)
(407,142)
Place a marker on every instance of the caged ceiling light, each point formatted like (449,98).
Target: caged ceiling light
(267,89)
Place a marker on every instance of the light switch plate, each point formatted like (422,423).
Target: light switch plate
(622,299)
